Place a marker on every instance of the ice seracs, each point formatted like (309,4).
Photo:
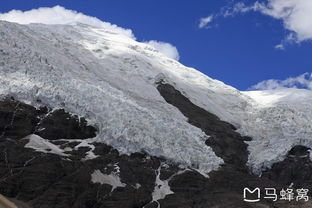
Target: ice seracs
(279,120)
(114,87)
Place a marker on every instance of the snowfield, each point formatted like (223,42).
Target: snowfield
(109,78)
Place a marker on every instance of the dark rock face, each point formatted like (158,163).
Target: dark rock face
(49,180)
(17,119)
(46,180)
(61,125)
(296,169)
(224,140)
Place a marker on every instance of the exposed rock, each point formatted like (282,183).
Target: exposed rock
(48,180)
(51,180)
(61,125)
(224,140)
(17,119)
(295,170)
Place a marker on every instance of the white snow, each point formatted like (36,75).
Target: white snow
(109,78)
(90,154)
(162,188)
(112,179)
(42,145)
(137,185)
(292,96)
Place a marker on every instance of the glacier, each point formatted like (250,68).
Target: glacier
(110,79)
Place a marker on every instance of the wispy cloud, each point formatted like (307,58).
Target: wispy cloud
(302,81)
(204,22)
(238,8)
(296,16)
(280,46)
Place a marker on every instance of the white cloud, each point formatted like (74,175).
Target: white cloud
(296,16)
(165,48)
(238,8)
(302,81)
(203,22)
(60,15)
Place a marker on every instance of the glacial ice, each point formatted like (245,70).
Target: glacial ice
(110,78)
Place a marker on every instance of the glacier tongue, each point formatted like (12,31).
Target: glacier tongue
(107,78)
(110,78)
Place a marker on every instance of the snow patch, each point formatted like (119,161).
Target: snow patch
(90,154)
(162,188)
(42,145)
(112,179)
(137,185)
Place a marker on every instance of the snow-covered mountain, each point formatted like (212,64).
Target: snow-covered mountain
(110,79)
(280,119)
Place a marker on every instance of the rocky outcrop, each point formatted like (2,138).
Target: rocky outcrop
(224,140)
(60,171)
(51,180)
(295,170)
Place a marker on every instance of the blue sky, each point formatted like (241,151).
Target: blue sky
(238,50)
